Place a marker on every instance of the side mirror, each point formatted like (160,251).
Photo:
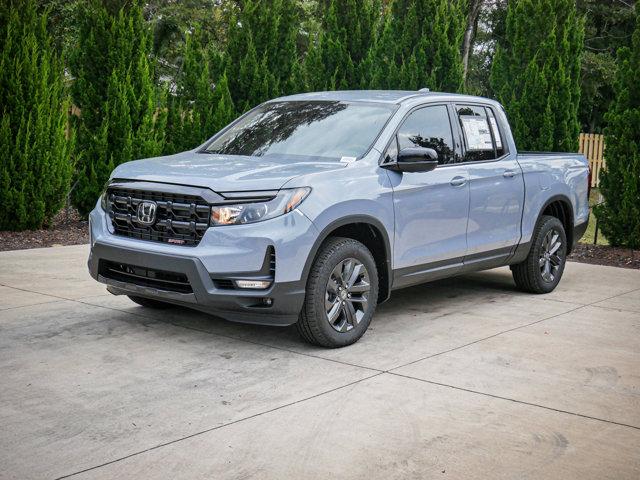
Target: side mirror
(416,159)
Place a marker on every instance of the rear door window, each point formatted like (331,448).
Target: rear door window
(481,134)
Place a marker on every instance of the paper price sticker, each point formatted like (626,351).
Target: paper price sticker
(476,130)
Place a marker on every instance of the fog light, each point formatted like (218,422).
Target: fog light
(253,284)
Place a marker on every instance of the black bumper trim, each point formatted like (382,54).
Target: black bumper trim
(578,232)
(244,306)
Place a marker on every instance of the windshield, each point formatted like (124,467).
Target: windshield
(328,130)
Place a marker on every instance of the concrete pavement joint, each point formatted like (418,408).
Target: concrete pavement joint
(615,308)
(30,305)
(499,397)
(39,293)
(202,432)
(483,339)
(378,372)
(511,330)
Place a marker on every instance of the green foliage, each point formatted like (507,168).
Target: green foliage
(490,29)
(35,164)
(536,73)
(261,51)
(121,110)
(608,27)
(337,58)
(620,181)
(198,108)
(419,47)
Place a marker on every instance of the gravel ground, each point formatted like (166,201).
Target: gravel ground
(68,228)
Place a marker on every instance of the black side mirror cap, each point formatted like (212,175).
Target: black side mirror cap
(415,159)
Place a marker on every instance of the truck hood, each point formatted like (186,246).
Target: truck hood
(222,173)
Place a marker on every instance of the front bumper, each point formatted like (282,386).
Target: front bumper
(224,252)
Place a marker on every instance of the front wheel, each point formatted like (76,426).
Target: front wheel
(341,294)
(542,269)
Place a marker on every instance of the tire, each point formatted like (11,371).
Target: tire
(332,315)
(149,302)
(532,275)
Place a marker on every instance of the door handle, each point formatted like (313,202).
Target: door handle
(458,181)
(509,174)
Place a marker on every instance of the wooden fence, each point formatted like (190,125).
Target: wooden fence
(592,146)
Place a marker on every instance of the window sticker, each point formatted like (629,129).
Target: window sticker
(348,159)
(476,130)
(496,132)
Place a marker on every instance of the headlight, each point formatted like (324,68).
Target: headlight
(239,213)
(103,199)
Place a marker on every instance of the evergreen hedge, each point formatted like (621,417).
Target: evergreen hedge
(261,53)
(536,73)
(122,115)
(35,160)
(620,182)
(198,108)
(419,47)
(336,59)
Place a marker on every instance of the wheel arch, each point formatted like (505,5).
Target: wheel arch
(367,230)
(560,206)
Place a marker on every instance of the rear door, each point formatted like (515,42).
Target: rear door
(496,185)
(431,208)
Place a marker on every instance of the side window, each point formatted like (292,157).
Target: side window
(478,137)
(429,127)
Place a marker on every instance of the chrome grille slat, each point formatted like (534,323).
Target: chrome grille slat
(181,219)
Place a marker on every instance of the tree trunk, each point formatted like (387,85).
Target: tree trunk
(469,34)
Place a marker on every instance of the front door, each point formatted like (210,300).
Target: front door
(431,208)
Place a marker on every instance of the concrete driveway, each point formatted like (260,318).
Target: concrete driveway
(465,379)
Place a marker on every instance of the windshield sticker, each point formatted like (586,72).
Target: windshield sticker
(496,132)
(348,159)
(476,130)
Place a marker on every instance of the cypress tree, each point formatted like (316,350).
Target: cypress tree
(193,111)
(343,45)
(121,109)
(284,61)
(35,164)
(261,51)
(419,47)
(620,181)
(536,73)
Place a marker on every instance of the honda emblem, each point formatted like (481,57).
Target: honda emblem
(147,213)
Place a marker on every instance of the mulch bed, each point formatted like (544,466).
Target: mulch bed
(68,228)
(605,255)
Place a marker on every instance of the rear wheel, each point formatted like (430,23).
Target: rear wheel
(542,269)
(149,302)
(341,294)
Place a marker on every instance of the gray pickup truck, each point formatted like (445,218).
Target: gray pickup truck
(311,209)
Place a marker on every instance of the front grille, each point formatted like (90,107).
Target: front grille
(179,219)
(145,277)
